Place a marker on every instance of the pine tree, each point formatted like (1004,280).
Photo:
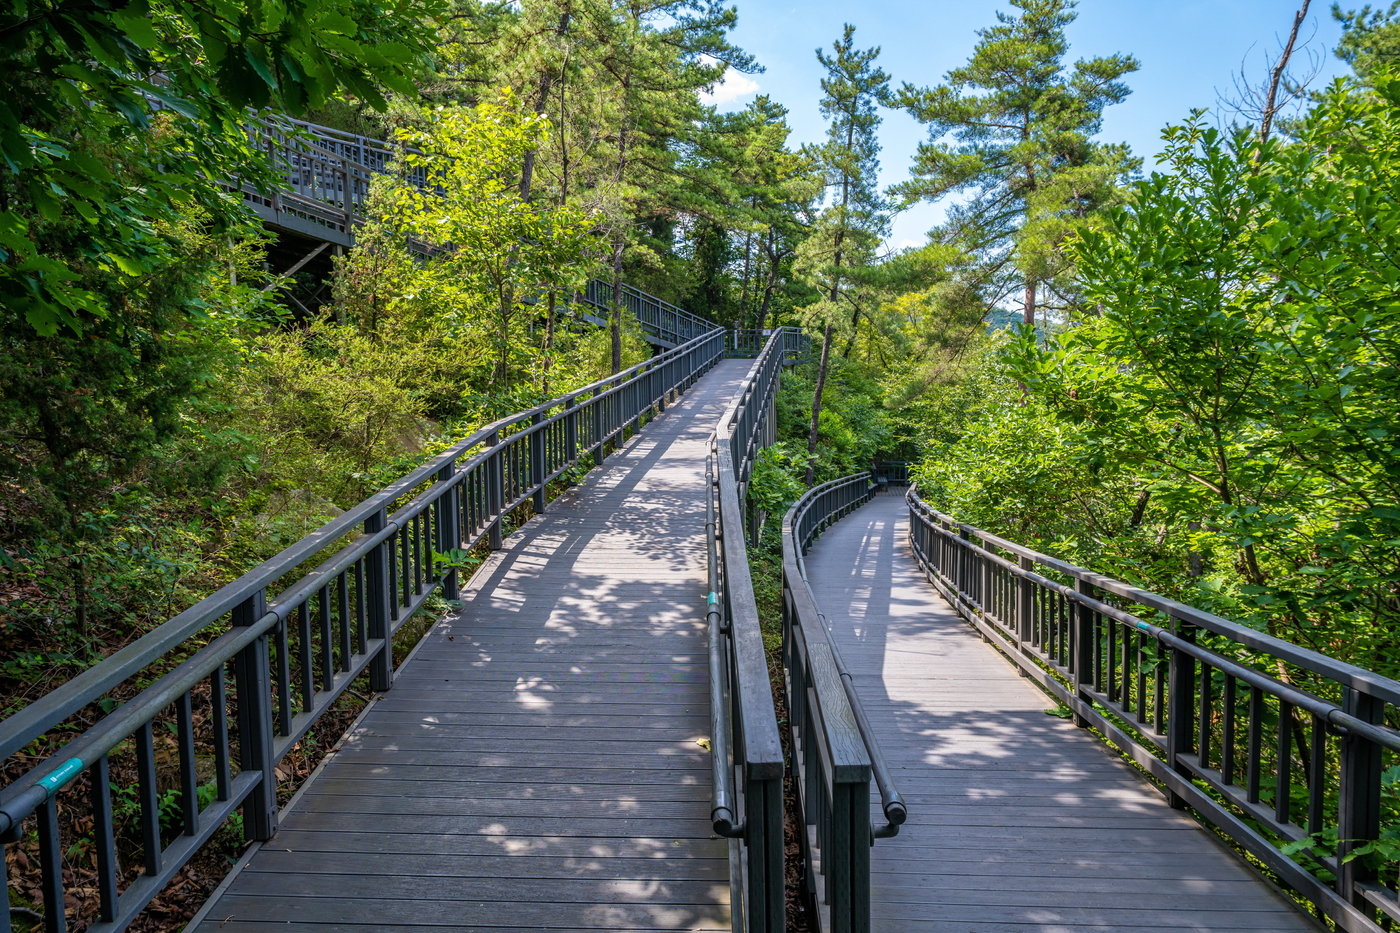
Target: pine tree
(841,248)
(1014,127)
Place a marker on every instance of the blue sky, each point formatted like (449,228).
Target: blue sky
(1191,54)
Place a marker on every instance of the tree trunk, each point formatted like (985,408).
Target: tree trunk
(1271,105)
(615,313)
(527,168)
(1028,305)
(547,354)
(770,284)
(815,430)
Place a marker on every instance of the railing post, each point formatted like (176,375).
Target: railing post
(763,809)
(1359,796)
(1085,623)
(963,561)
(537,464)
(599,438)
(377,596)
(14,834)
(449,535)
(253,681)
(571,430)
(1025,602)
(1181,710)
(495,491)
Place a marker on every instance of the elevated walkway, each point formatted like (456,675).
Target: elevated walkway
(1018,820)
(541,762)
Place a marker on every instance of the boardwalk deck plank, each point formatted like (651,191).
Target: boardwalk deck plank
(1018,820)
(537,764)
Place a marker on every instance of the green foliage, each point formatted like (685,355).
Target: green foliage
(90,175)
(856,426)
(1370,38)
(775,484)
(1223,428)
(491,253)
(326,406)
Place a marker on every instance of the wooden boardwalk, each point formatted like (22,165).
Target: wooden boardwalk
(538,764)
(1017,819)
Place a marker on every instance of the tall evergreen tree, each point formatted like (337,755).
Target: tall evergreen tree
(657,57)
(778,190)
(1014,127)
(844,239)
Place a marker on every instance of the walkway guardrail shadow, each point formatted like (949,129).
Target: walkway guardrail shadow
(834,749)
(746,747)
(205,707)
(1212,710)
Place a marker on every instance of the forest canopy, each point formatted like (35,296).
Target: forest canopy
(1185,378)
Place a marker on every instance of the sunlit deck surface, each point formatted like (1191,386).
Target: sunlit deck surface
(1017,820)
(538,764)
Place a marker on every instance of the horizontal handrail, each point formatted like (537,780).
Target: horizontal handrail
(826,718)
(1208,707)
(748,755)
(292,654)
(818,509)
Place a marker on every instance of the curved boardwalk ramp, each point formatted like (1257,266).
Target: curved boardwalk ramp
(1017,819)
(538,764)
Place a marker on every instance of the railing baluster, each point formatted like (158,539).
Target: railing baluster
(148,798)
(379,590)
(306,658)
(255,722)
(1181,707)
(327,638)
(1255,753)
(1084,645)
(284,680)
(1317,775)
(342,597)
(1359,796)
(218,715)
(189,776)
(1227,738)
(1283,771)
(537,464)
(51,868)
(361,609)
(495,477)
(104,840)
(449,532)
(1204,715)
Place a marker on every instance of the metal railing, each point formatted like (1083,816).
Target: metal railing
(659,319)
(1211,709)
(746,747)
(834,749)
(288,643)
(890,472)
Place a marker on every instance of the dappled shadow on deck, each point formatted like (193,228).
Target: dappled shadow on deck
(1017,819)
(541,762)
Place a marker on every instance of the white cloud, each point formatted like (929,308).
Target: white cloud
(730,88)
